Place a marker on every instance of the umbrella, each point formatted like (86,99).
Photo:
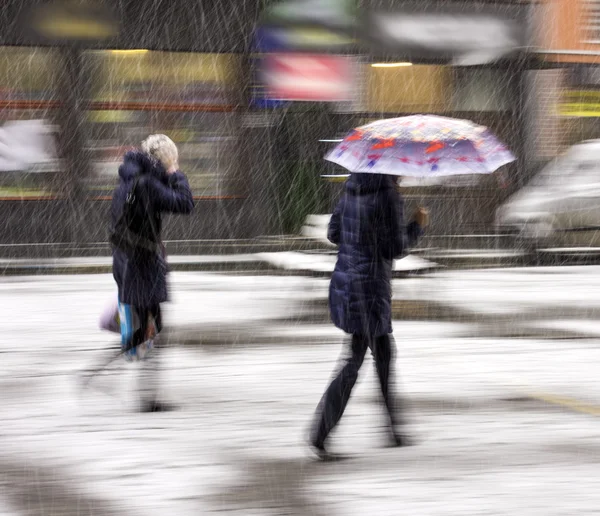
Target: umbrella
(421,146)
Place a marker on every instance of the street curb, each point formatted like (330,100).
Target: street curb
(253,264)
(231,266)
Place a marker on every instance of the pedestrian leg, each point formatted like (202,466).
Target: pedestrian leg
(334,401)
(149,378)
(150,366)
(384,354)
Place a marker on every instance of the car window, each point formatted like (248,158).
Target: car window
(565,171)
(553,173)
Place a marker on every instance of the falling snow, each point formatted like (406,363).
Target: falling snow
(495,310)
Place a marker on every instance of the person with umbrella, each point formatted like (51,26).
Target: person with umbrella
(368,226)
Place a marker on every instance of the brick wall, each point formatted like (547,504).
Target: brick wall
(545,133)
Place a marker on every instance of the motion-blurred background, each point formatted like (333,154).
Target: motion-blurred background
(255,92)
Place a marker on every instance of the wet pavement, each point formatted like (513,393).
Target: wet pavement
(505,422)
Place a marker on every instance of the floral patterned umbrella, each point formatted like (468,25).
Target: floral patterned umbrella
(421,146)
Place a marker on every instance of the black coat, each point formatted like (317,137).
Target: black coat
(141,279)
(368,225)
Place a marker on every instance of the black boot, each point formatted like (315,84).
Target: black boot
(401,439)
(323,454)
(156,406)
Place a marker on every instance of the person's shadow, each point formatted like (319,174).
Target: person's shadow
(32,487)
(280,486)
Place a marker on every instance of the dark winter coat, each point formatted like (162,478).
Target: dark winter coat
(368,225)
(141,279)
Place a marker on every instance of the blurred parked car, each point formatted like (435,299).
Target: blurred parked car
(561,205)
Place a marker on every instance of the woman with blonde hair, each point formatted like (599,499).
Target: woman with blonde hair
(150,184)
(161,147)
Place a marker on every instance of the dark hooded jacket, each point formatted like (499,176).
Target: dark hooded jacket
(141,279)
(368,225)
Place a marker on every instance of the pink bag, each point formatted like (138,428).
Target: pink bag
(109,320)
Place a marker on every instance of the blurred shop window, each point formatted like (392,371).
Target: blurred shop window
(488,96)
(482,89)
(408,89)
(28,157)
(188,96)
(582,128)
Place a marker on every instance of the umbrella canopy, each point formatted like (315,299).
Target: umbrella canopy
(421,146)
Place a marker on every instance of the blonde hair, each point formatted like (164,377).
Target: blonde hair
(162,148)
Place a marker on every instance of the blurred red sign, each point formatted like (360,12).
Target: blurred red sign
(308,77)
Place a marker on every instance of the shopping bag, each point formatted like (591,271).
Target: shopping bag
(109,320)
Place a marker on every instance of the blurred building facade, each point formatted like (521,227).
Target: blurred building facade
(461,59)
(103,75)
(568,40)
(222,79)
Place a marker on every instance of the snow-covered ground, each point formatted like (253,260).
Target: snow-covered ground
(503,425)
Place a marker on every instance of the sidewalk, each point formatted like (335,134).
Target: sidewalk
(502,426)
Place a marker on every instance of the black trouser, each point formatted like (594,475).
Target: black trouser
(334,401)
(139,335)
(149,374)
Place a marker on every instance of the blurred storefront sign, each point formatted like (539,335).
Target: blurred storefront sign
(320,78)
(69,21)
(289,67)
(299,43)
(337,15)
(580,103)
(307,25)
(202,26)
(466,39)
(427,30)
(302,38)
